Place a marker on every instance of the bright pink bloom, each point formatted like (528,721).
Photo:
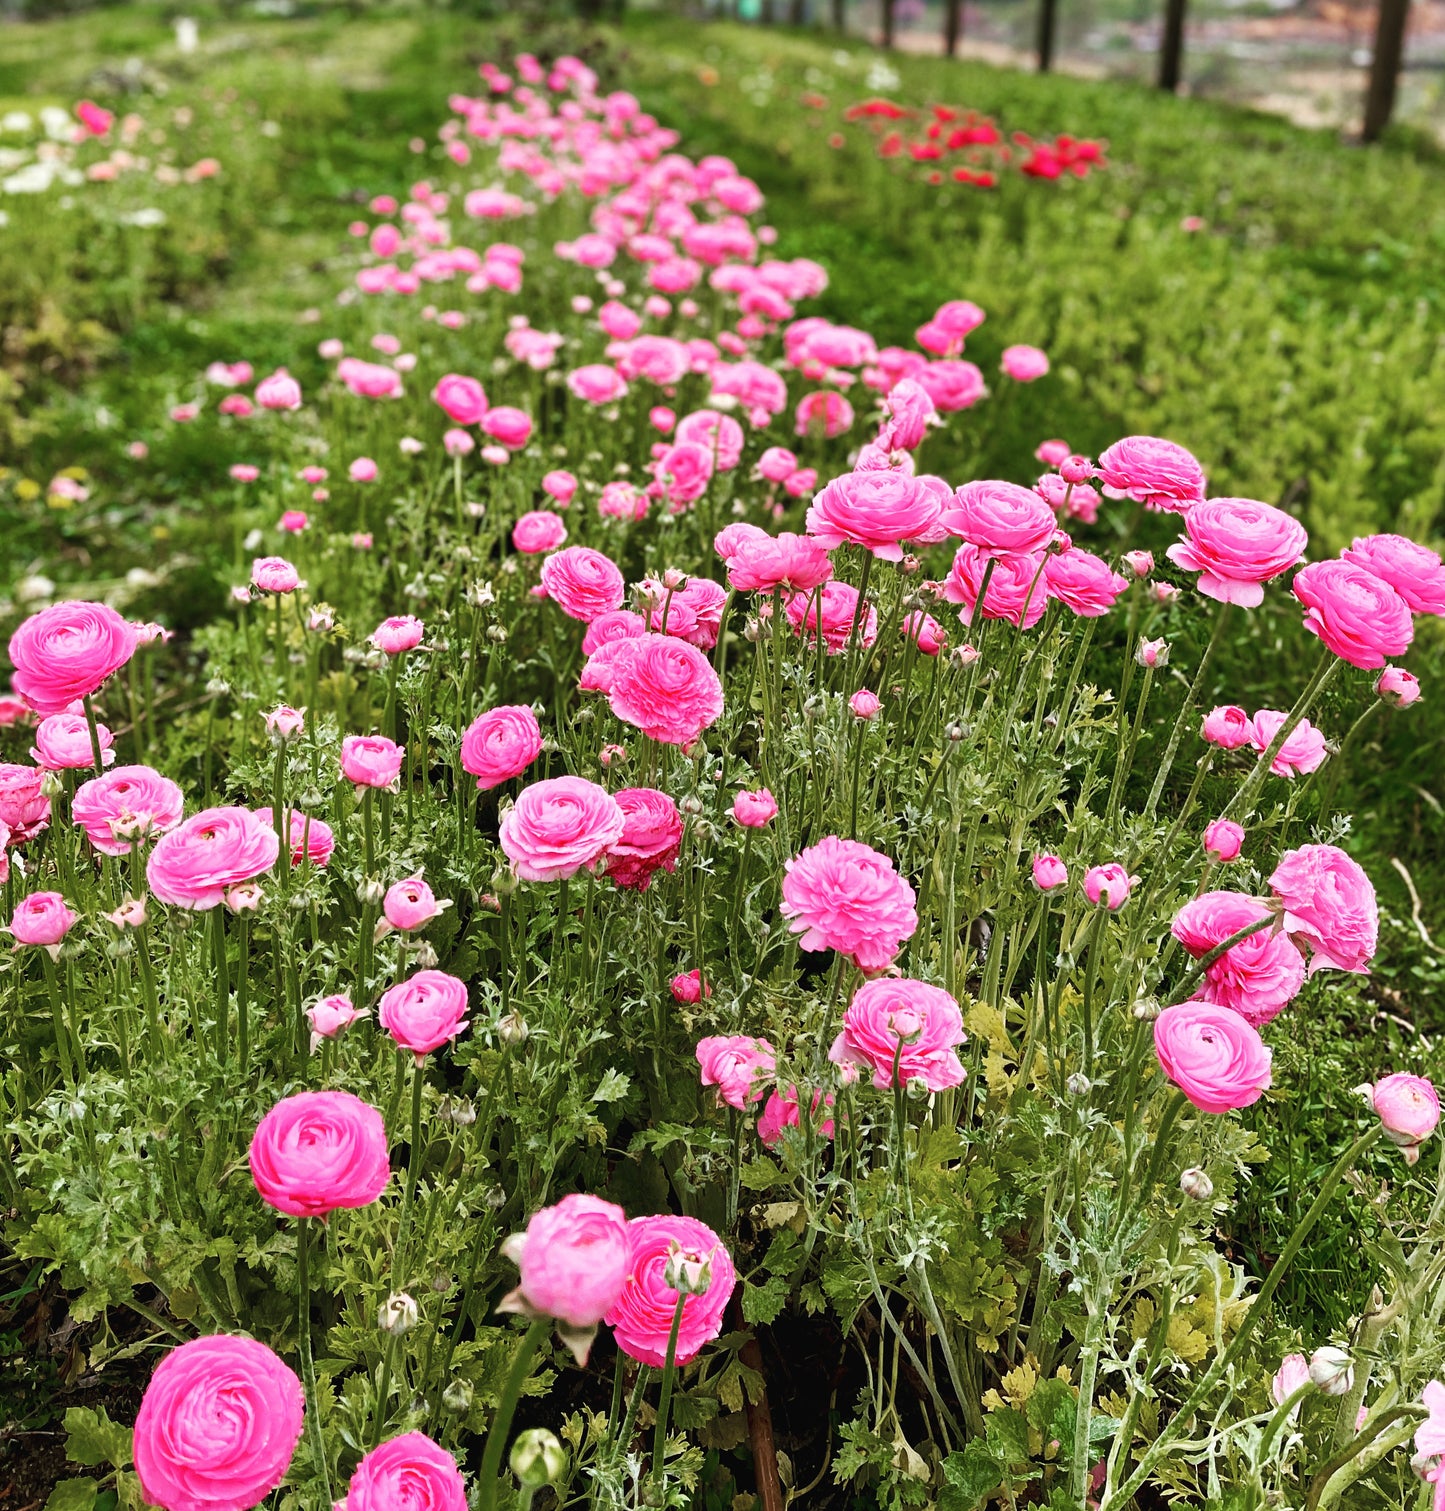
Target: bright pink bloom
(1398,687)
(218,1425)
(279,391)
(1305,749)
(362,470)
(1237,545)
(319,1151)
(561,486)
(1413,570)
(42,918)
(1000,519)
(755,810)
(782,1110)
(457,442)
(1228,726)
(1409,1110)
(424,1012)
(840,610)
(62,743)
(1049,872)
(737,1065)
(573,1260)
(463,400)
(199,861)
(876,510)
(1223,840)
(641,1320)
(864,704)
(1357,615)
(1212,1055)
(766,563)
(650,840)
(908,410)
(845,896)
(924,631)
(538,531)
(777,463)
(822,413)
(688,987)
(1016,588)
(371,760)
(582,582)
(67,652)
(952,385)
(665,687)
(1330,905)
(126,803)
(410,904)
(902,1030)
(24,808)
(244,472)
(1257,976)
(597,383)
(310,838)
(409,1471)
(622,624)
(293,521)
(501,744)
(1083,582)
(1024,364)
(402,632)
(1151,471)
(558,827)
(274,574)
(329,1016)
(1110,884)
(511,427)
(718,434)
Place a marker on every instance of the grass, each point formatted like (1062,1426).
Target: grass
(1294,344)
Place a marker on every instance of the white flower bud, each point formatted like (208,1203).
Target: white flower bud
(513,1030)
(457,1397)
(538,1458)
(1331,1370)
(397,1315)
(1196,1185)
(687,1272)
(1078,1084)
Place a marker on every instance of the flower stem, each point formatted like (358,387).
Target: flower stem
(664,1402)
(308,1366)
(506,1409)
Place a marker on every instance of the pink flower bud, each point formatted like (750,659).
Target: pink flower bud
(1049,872)
(410,904)
(1076,469)
(362,470)
(755,810)
(401,632)
(329,1016)
(293,521)
(1152,653)
(1223,840)
(864,704)
(42,918)
(660,417)
(284,723)
(1398,687)
(1409,1109)
(1109,884)
(690,987)
(1140,563)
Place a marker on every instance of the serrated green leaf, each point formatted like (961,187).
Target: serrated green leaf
(92,1438)
(1007,1433)
(968,1477)
(72,1495)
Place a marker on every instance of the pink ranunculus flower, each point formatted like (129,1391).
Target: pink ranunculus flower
(573,1260)
(561,486)
(902,1030)
(787,562)
(410,904)
(783,1109)
(463,400)
(218,1425)
(363,470)
(538,531)
(822,413)
(318,1151)
(310,839)
(1293,1371)
(401,632)
(1049,872)
(688,987)
(1110,884)
(1024,364)
(845,896)
(559,827)
(1159,473)
(737,1065)
(1355,614)
(1000,519)
(582,582)
(458,443)
(125,804)
(641,1319)
(42,919)
(1398,687)
(755,810)
(199,861)
(864,704)
(1223,840)
(1083,582)
(1213,1055)
(840,608)
(664,687)
(62,743)
(1237,545)
(501,744)
(24,807)
(908,411)
(718,434)
(371,761)
(411,1472)
(67,652)
(952,385)
(1016,589)
(424,1012)
(508,426)
(1305,749)
(1409,1111)
(597,383)
(328,1016)
(1227,726)
(1330,905)
(1414,571)
(622,624)
(777,464)
(877,510)
(651,837)
(274,574)
(279,391)
(1256,977)
(925,632)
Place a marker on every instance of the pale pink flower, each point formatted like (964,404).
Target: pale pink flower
(902,1030)
(845,896)
(1304,751)
(1237,545)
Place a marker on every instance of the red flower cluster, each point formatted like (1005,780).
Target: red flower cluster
(944,134)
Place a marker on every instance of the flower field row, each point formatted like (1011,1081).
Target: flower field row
(645,857)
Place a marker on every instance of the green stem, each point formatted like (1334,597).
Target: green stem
(664,1403)
(506,1409)
(1190,699)
(308,1364)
